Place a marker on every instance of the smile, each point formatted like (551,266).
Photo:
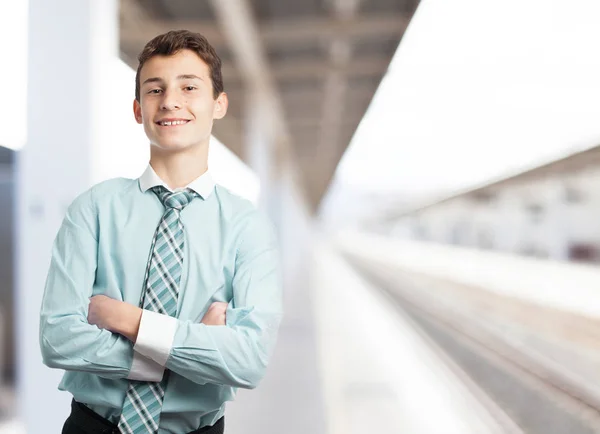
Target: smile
(172,123)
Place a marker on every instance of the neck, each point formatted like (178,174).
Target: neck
(178,169)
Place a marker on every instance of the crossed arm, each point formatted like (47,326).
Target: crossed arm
(123,318)
(79,332)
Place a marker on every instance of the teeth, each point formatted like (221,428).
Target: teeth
(169,123)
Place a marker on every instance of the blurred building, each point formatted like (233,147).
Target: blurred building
(550,211)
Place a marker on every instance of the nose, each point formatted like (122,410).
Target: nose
(171,101)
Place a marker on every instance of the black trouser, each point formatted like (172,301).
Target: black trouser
(84,421)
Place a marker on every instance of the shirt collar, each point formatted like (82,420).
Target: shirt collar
(203,185)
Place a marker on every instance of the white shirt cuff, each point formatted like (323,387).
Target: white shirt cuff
(145,369)
(155,336)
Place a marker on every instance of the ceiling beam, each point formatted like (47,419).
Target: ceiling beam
(262,100)
(297,70)
(135,20)
(300,97)
(276,33)
(293,31)
(330,143)
(300,123)
(238,24)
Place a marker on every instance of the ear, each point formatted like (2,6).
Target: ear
(221,104)
(137,111)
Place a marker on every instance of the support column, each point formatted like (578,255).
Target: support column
(71,43)
(260,144)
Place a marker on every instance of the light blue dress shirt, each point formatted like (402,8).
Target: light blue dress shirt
(103,246)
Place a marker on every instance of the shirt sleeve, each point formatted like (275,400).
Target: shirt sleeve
(236,354)
(145,369)
(67,340)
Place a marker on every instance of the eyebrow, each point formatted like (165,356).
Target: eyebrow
(179,77)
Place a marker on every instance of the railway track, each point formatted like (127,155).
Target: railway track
(535,394)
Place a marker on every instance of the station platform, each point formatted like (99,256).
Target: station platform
(347,362)
(373,341)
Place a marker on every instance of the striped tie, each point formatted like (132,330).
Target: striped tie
(143,403)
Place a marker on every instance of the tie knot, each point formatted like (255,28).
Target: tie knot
(176,200)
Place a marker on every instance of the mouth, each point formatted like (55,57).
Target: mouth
(172,122)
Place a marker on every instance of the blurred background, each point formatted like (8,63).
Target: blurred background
(433,170)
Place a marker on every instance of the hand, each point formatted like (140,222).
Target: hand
(102,311)
(115,316)
(215,314)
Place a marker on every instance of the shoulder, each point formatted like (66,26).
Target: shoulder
(111,187)
(83,212)
(91,199)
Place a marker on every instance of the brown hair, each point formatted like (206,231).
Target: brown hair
(174,41)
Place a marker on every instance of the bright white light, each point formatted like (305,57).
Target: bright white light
(479,89)
(13,74)
(124,146)
(231,172)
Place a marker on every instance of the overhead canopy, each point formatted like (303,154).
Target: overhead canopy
(321,60)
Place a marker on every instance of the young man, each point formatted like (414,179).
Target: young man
(164,292)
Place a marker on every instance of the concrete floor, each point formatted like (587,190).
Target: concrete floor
(289,399)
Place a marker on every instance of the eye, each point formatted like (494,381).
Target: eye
(190,88)
(154,91)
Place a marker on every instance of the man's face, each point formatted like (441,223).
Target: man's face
(176,104)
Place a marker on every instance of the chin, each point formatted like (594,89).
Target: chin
(172,147)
